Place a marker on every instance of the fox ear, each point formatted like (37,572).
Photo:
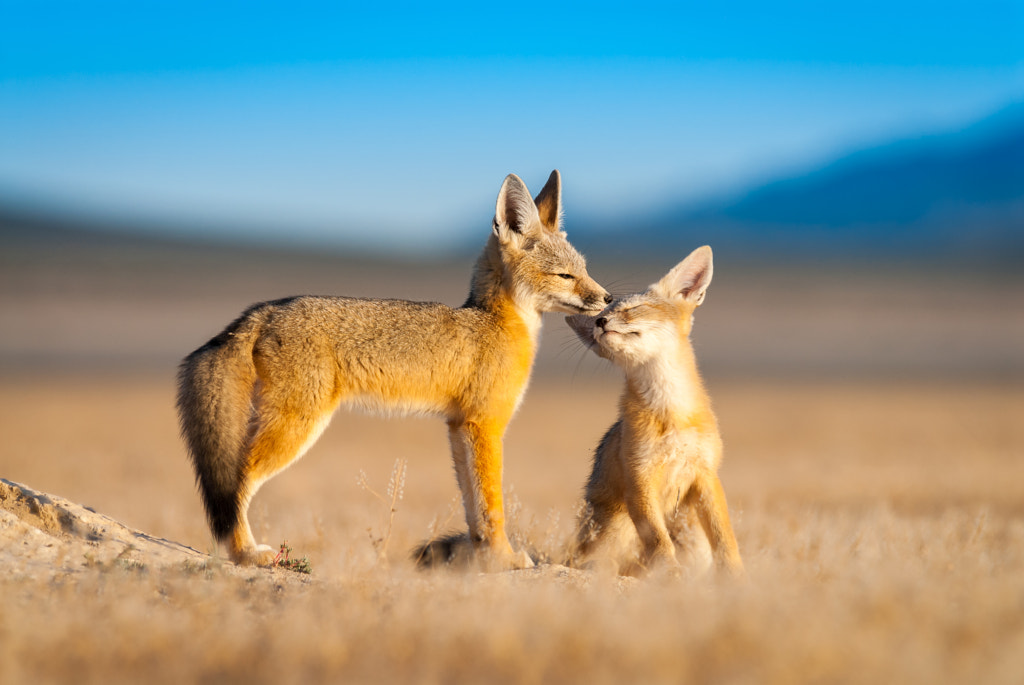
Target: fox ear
(549,202)
(515,212)
(689,278)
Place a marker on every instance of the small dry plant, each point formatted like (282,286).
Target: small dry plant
(437,525)
(395,491)
(284,560)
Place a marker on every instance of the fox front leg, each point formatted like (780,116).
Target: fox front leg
(463,462)
(477,450)
(708,498)
(656,544)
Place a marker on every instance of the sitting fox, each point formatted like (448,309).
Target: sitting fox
(657,465)
(257,396)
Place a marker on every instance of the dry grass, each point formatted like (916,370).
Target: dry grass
(881,521)
(882,527)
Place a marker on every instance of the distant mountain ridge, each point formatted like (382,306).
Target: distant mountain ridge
(952,195)
(955,192)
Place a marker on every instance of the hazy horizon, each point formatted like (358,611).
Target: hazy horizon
(395,129)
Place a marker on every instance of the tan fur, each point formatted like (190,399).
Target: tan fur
(655,472)
(257,395)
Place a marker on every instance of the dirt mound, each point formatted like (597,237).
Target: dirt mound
(43,535)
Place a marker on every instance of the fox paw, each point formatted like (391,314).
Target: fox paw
(523,560)
(260,555)
(510,560)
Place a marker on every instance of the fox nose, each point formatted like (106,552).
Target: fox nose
(601,322)
(608,298)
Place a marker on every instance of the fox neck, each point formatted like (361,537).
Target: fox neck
(491,290)
(669,386)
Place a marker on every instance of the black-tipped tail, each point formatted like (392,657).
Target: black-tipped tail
(454,550)
(215,408)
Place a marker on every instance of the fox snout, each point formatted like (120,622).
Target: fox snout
(598,301)
(588,301)
(583,325)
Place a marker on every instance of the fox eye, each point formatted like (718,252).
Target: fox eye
(567,277)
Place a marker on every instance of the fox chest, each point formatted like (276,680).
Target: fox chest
(671,461)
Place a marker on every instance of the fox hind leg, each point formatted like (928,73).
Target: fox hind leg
(280,438)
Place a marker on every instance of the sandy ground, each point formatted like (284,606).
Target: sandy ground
(112,445)
(874,462)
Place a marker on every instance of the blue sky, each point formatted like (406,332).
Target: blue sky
(392,127)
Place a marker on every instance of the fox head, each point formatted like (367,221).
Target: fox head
(638,328)
(540,269)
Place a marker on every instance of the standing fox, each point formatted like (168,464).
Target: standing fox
(657,465)
(258,395)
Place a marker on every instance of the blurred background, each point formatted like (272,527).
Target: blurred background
(858,170)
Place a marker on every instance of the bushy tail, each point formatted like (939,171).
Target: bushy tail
(454,550)
(215,407)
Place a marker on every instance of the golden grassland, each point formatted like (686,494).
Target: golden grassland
(874,466)
(882,525)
